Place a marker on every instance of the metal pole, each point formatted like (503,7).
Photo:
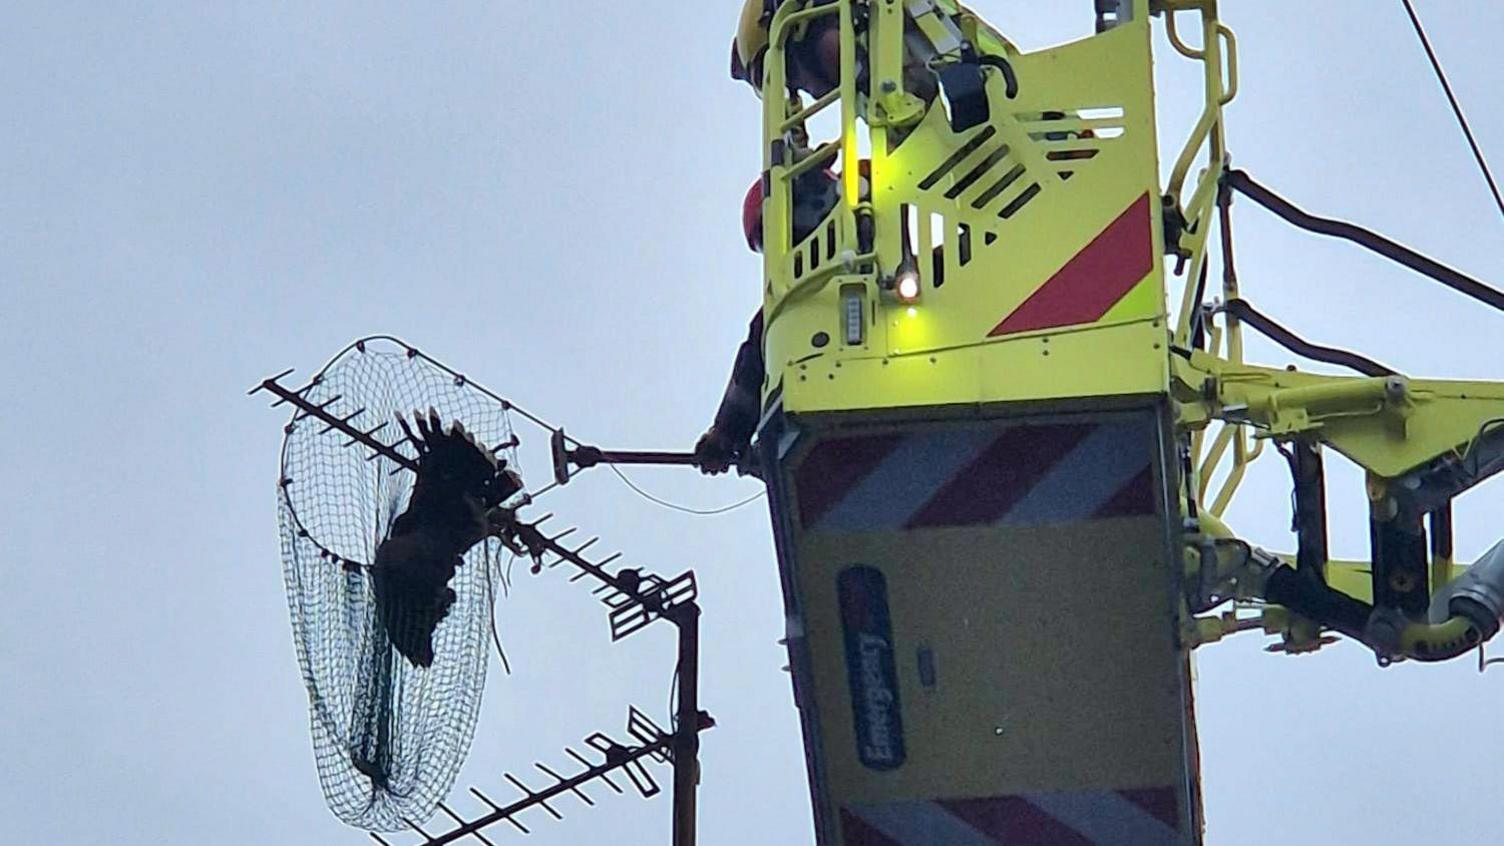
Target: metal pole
(643,457)
(686,742)
(1310,506)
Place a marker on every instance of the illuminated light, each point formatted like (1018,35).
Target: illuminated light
(907,286)
(913,311)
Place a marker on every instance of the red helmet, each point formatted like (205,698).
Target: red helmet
(752,216)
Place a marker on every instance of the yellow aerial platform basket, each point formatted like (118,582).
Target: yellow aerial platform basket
(969,440)
(1033,236)
(990,449)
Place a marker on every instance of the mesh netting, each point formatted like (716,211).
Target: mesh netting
(389,736)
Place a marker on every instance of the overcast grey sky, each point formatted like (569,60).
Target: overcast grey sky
(546,195)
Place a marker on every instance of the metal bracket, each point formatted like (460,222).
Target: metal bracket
(570,460)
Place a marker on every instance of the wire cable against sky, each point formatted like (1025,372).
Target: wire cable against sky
(1456,107)
(705,512)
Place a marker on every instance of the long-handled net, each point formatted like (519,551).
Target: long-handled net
(389,734)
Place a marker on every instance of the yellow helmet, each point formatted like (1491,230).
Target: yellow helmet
(752,30)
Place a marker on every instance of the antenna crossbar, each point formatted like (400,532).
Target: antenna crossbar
(627,759)
(635,599)
(332,421)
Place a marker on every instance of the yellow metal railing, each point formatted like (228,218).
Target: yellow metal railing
(785,115)
(1218,56)
(1207,135)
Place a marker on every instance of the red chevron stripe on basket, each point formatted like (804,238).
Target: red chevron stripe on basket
(1093,281)
(1021,474)
(1141,817)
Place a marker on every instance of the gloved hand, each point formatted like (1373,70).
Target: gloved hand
(714,452)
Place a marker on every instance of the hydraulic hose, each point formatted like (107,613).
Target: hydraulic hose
(1472,606)
(1387,632)
(1245,312)
(1305,594)
(1466,612)
(1443,641)
(1456,280)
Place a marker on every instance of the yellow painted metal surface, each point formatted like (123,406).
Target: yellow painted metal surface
(985,465)
(994,215)
(1385,425)
(1044,366)
(1030,624)
(1032,699)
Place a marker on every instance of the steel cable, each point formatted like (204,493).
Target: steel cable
(1446,86)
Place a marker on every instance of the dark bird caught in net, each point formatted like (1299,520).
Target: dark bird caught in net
(390,575)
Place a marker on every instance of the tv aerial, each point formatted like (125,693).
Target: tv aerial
(393,713)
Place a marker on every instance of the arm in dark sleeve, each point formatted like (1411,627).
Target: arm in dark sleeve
(741,406)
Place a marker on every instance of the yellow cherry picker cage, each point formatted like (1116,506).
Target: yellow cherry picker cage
(989,444)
